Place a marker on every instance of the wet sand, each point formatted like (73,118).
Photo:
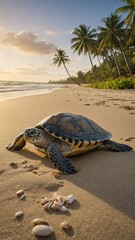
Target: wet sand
(104,185)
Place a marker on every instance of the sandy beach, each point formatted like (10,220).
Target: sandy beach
(104,187)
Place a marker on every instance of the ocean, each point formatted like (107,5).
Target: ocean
(16,89)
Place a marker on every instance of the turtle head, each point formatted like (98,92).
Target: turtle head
(34,136)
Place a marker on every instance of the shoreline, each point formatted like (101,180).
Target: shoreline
(104,185)
(24,93)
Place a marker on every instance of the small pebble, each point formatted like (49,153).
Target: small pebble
(30,168)
(34,171)
(65,225)
(56,174)
(19,214)
(24,162)
(42,230)
(19,193)
(13,164)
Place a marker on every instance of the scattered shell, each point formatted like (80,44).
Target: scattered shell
(55,195)
(19,214)
(45,200)
(62,208)
(61,199)
(65,225)
(57,202)
(56,205)
(39,221)
(70,199)
(47,206)
(19,193)
(42,230)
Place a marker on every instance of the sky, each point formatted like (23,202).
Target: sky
(32,30)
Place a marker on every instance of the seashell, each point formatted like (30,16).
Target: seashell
(39,221)
(42,230)
(47,205)
(65,225)
(19,214)
(56,205)
(20,193)
(62,208)
(70,199)
(45,200)
(61,199)
(55,195)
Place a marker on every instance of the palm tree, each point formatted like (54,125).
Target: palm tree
(130,19)
(61,58)
(113,35)
(84,41)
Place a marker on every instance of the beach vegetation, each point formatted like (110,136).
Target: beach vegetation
(118,83)
(112,44)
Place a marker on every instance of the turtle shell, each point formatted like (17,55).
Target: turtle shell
(74,129)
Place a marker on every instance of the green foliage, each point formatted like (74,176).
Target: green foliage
(119,83)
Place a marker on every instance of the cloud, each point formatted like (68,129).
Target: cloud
(52,33)
(28,42)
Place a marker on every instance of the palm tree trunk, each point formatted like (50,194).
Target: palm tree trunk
(95,74)
(90,59)
(124,55)
(116,63)
(70,75)
(108,64)
(99,60)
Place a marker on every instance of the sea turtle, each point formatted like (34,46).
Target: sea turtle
(66,134)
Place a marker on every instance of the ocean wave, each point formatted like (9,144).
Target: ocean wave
(13,89)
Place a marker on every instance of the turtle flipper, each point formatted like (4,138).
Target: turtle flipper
(18,144)
(59,160)
(118,147)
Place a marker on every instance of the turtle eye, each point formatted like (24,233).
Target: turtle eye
(29,132)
